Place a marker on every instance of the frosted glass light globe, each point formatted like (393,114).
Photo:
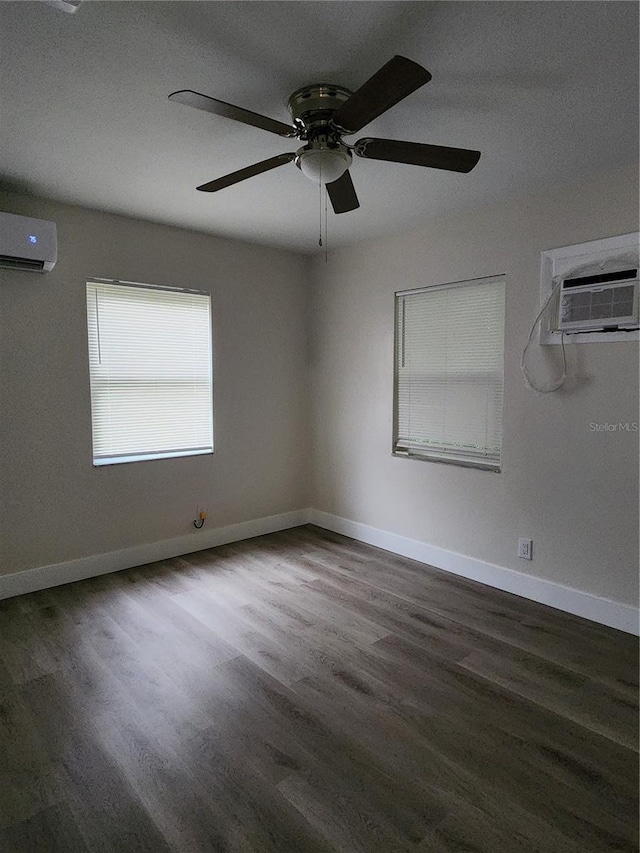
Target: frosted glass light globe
(324,165)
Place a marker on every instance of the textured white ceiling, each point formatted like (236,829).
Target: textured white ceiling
(548,91)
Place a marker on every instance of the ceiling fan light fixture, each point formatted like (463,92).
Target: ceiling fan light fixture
(323,165)
(322,113)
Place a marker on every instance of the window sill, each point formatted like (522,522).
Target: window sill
(146,457)
(463,463)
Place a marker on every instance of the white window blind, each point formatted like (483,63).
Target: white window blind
(449,372)
(151,371)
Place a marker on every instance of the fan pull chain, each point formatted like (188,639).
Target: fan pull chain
(320,205)
(320,213)
(326,236)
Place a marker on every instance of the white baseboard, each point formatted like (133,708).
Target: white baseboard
(44,577)
(602,610)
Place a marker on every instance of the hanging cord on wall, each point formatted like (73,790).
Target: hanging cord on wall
(558,383)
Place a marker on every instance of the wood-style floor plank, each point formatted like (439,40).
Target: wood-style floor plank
(303,692)
(52,829)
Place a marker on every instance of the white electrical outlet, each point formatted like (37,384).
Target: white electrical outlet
(525,549)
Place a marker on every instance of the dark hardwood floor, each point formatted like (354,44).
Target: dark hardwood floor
(304,692)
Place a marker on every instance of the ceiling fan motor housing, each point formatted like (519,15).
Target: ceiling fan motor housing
(313,106)
(324,158)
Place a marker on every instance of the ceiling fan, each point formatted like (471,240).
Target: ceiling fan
(322,114)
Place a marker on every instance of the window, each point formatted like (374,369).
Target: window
(151,373)
(449,358)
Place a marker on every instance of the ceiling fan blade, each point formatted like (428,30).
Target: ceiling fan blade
(417,154)
(221,108)
(343,194)
(248,172)
(393,82)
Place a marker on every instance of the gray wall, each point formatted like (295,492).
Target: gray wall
(55,505)
(573,491)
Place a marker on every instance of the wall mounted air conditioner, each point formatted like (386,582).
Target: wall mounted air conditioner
(27,244)
(603,301)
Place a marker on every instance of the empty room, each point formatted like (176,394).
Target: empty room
(319,390)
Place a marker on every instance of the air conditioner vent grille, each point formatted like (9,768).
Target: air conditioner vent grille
(600,278)
(20,263)
(607,305)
